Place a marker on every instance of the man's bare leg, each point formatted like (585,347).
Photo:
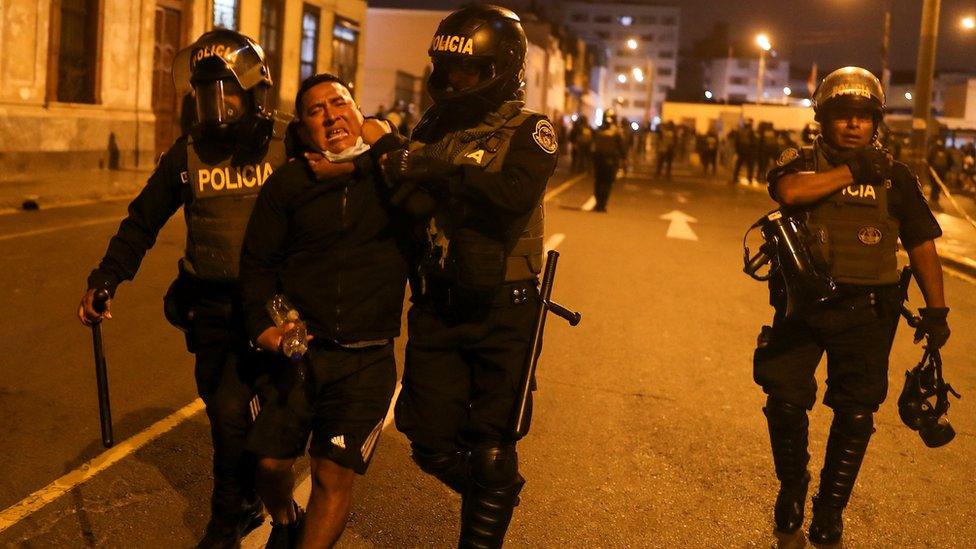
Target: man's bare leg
(276,485)
(328,506)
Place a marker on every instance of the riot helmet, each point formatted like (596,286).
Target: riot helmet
(609,118)
(230,82)
(849,88)
(484,41)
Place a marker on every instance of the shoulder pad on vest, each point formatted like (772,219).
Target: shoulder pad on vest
(281,122)
(808,155)
(521,117)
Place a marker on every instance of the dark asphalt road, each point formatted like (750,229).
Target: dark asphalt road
(648,428)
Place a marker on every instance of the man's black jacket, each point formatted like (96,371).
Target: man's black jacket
(332,247)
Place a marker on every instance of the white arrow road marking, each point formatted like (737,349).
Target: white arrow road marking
(589,204)
(679,227)
(554,241)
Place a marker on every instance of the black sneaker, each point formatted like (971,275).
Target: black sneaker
(285,536)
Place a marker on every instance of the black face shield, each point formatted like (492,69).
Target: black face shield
(219,102)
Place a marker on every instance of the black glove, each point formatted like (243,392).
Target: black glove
(435,175)
(870,165)
(933,325)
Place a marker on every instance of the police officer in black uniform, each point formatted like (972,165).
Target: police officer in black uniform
(609,151)
(214,173)
(857,203)
(485,159)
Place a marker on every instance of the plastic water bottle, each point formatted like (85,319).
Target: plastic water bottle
(283,312)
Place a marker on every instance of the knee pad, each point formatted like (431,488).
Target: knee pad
(854,423)
(496,467)
(781,413)
(451,468)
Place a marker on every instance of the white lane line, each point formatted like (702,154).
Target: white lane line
(554,241)
(567,184)
(17,512)
(36,232)
(589,204)
(259,536)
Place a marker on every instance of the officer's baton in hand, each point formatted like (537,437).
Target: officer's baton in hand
(101,373)
(520,420)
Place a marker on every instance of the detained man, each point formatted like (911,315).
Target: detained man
(331,246)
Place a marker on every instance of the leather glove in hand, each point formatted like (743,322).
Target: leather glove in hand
(870,165)
(430,173)
(934,326)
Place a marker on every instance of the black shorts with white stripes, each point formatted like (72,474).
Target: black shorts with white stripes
(342,403)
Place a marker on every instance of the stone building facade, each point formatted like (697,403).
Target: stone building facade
(87,84)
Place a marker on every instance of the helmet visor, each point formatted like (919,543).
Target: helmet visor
(219,101)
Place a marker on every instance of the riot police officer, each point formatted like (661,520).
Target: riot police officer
(609,151)
(856,203)
(485,160)
(214,173)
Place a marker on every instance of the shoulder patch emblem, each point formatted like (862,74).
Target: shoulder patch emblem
(545,136)
(787,156)
(185,177)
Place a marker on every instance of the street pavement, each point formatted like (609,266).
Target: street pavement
(648,429)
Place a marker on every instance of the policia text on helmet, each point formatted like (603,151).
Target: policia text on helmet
(478,54)
(226,74)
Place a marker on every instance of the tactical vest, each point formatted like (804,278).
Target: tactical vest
(854,229)
(223,195)
(519,256)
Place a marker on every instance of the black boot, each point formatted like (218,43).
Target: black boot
(488,504)
(788,425)
(848,441)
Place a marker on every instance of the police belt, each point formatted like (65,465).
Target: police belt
(856,296)
(506,294)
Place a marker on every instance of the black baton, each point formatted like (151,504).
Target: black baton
(520,420)
(101,373)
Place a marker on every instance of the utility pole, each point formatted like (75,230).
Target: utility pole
(885,48)
(925,70)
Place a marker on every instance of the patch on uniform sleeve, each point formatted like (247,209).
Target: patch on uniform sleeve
(545,136)
(787,156)
(184,177)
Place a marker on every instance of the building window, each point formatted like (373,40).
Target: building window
(743,64)
(647,38)
(601,19)
(737,80)
(666,54)
(404,88)
(640,104)
(603,35)
(308,55)
(579,18)
(225,14)
(772,64)
(664,71)
(667,21)
(663,88)
(272,12)
(623,87)
(74,46)
(648,19)
(345,50)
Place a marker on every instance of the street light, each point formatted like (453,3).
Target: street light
(908,96)
(631,43)
(622,78)
(762,40)
(968,23)
(638,74)
(708,94)
(787,91)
